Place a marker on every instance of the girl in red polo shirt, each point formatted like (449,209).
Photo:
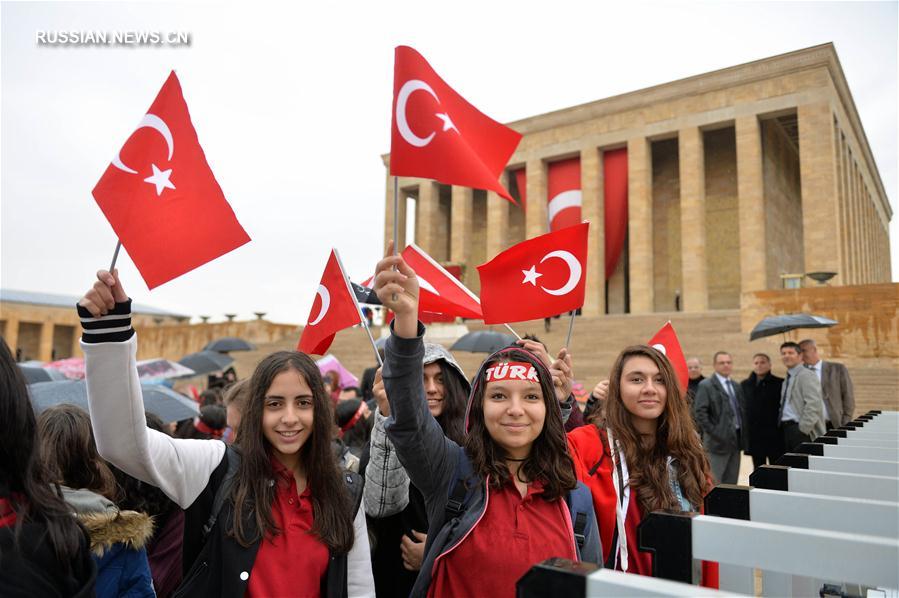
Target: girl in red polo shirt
(271,517)
(496,504)
(640,454)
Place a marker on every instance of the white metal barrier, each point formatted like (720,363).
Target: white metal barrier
(836,464)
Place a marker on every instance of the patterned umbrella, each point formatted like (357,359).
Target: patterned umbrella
(161,369)
(169,405)
(72,368)
(330,363)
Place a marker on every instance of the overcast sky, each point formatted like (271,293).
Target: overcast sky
(292,107)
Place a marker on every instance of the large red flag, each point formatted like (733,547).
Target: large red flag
(563,185)
(667,343)
(436,134)
(440,291)
(161,197)
(537,278)
(333,309)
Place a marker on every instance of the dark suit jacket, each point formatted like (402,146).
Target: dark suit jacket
(762,407)
(715,417)
(836,386)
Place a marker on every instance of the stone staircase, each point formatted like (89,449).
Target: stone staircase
(596,343)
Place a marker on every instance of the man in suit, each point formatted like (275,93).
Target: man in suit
(801,406)
(836,385)
(762,393)
(720,410)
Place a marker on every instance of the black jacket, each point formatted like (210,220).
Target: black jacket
(762,408)
(216,564)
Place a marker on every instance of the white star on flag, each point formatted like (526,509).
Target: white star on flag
(531,276)
(160,178)
(447,123)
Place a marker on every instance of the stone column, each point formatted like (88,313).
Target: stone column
(497,220)
(593,211)
(460,231)
(692,220)
(751,205)
(12,334)
(427,214)
(45,351)
(639,226)
(817,179)
(854,228)
(535,217)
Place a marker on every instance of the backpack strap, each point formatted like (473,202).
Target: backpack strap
(578,516)
(456,503)
(354,485)
(224,489)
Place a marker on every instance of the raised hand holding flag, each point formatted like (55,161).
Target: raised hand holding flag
(161,197)
(437,134)
(537,278)
(439,291)
(666,342)
(333,309)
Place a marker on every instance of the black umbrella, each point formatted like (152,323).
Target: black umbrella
(205,362)
(787,322)
(483,341)
(34,374)
(160,400)
(229,343)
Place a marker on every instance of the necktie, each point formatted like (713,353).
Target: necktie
(733,402)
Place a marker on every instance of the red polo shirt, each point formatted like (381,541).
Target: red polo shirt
(294,562)
(513,534)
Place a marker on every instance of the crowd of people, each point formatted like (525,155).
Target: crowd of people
(423,481)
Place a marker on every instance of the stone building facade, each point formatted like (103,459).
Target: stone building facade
(736,179)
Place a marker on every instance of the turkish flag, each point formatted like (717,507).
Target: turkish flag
(161,197)
(537,278)
(667,343)
(436,134)
(439,291)
(333,309)
(563,185)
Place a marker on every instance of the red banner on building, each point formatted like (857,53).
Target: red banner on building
(615,194)
(563,194)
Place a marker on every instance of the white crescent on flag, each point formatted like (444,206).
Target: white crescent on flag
(150,121)
(326,303)
(574,272)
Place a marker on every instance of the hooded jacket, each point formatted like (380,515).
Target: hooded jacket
(117,543)
(432,460)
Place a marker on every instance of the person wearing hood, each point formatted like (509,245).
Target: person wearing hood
(43,549)
(396,509)
(117,538)
(506,497)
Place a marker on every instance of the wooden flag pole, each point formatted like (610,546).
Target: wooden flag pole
(115,256)
(362,319)
(570,328)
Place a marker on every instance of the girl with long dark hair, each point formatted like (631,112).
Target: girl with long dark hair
(504,499)
(118,536)
(273,516)
(640,453)
(43,549)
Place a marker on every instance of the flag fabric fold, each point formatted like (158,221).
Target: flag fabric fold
(437,134)
(333,309)
(161,197)
(666,342)
(537,278)
(439,291)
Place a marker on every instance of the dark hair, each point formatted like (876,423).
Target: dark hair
(765,355)
(237,394)
(211,396)
(253,495)
(135,495)
(455,398)
(675,436)
(357,436)
(719,354)
(69,451)
(791,345)
(548,461)
(354,389)
(23,480)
